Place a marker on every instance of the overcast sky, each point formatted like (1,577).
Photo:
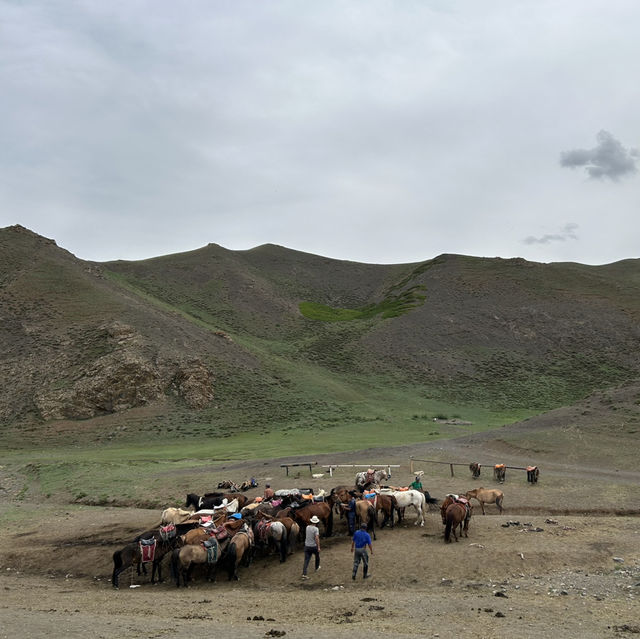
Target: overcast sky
(368,130)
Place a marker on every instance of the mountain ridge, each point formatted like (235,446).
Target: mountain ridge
(269,329)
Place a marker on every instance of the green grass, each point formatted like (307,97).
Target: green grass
(391,306)
(152,471)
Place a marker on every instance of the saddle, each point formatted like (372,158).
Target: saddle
(467,506)
(147,549)
(220,533)
(167,532)
(262,529)
(211,546)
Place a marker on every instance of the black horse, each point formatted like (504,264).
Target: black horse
(131,554)
(206,502)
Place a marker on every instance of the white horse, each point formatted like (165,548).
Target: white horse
(413,498)
(174,516)
(364,478)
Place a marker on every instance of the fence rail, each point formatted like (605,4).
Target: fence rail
(452,464)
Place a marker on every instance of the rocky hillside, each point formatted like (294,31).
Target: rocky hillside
(254,330)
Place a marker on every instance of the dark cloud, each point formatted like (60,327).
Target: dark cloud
(568,232)
(609,159)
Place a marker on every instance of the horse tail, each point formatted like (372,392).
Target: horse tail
(429,499)
(447,529)
(175,573)
(329,530)
(232,556)
(283,544)
(373,517)
(499,502)
(117,566)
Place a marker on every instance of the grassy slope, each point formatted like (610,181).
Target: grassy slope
(494,342)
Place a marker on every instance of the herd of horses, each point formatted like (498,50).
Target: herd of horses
(226,530)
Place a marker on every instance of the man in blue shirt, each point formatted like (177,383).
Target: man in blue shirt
(361,539)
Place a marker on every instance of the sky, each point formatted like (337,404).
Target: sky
(366,130)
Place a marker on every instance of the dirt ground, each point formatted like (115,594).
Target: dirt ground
(563,560)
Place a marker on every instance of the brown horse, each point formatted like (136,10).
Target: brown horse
(323,510)
(456,515)
(241,549)
(184,559)
(486,496)
(387,504)
(367,514)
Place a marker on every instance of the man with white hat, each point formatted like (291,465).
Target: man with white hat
(311,545)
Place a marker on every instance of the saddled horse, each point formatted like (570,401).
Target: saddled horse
(367,478)
(240,550)
(213,500)
(366,514)
(455,515)
(209,553)
(532,474)
(486,496)
(323,510)
(292,528)
(175,516)
(132,555)
(270,533)
(475,467)
(413,498)
(499,472)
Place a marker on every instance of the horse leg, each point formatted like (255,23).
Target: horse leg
(482,506)
(119,566)
(499,504)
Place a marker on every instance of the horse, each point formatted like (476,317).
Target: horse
(340,495)
(532,474)
(175,516)
(185,558)
(474,467)
(229,485)
(369,478)
(208,501)
(269,533)
(131,554)
(241,549)
(387,504)
(486,496)
(292,528)
(322,509)
(455,515)
(413,498)
(499,472)
(367,514)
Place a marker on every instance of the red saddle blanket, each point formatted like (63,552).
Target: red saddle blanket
(147,549)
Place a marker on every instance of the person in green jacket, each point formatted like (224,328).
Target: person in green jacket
(416,484)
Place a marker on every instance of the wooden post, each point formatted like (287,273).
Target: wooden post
(451,466)
(411,464)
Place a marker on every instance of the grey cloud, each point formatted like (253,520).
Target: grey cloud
(609,159)
(568,232)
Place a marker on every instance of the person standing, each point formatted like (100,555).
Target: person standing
(416,484)
(311,545)
(351,512)
(361,539)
